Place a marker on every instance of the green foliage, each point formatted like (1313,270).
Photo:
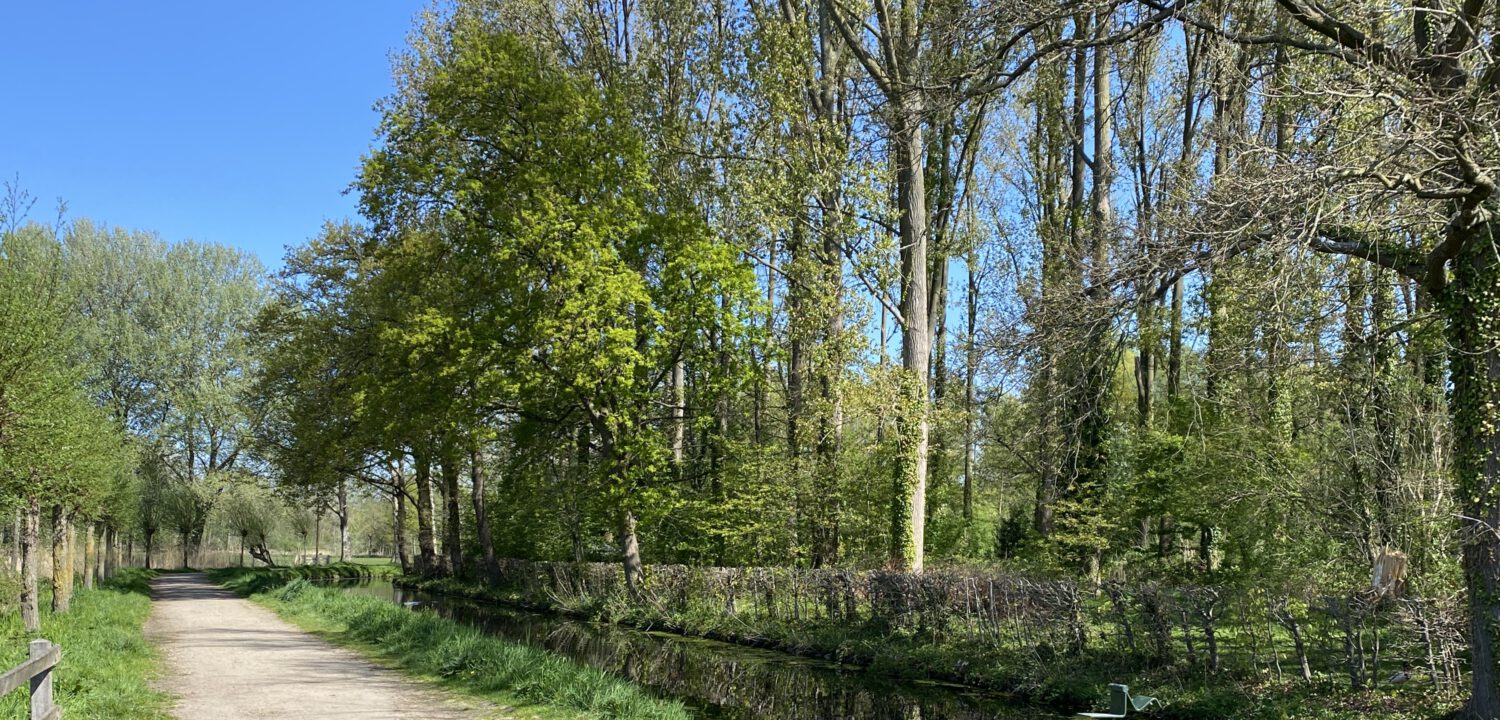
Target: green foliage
(55,441)
(107,663)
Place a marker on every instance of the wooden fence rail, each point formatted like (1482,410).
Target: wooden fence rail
(37,671)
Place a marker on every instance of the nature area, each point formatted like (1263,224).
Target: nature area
(799,359)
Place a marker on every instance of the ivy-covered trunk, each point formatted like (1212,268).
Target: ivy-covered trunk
(1473,305)
(909,506)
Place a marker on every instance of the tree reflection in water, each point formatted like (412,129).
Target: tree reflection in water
(715,679)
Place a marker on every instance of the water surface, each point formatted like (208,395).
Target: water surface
(718,680)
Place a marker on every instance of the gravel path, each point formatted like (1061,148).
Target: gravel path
(230,659)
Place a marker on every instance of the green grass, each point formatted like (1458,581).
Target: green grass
(460,657)
(106,664)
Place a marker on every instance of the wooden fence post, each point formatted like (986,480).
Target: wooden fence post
(41,685)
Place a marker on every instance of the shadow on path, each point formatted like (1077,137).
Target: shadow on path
(230,659)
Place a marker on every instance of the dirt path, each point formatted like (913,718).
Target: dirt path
(229,659)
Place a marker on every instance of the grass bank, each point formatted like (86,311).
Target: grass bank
(1050,678)
(461,657)
(256,580)
(106,665)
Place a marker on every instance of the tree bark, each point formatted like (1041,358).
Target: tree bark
(90,556)
(971,366)
(679,412)
(149,539)
(106,548)
(482,514)
(30,546)
(1473,308)
(452,528)
(630,549)
(61,571)
(907,536)
(398,500)
(580,476)
(427,557)
(344,539)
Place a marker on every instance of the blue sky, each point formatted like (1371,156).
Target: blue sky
(238,123)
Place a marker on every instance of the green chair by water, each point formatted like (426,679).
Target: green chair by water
(1120,701)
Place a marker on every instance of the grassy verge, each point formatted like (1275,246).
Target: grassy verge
(461,657)
(107,663)
(255,580)
(1054,679)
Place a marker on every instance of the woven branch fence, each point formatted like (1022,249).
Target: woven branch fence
(1237,630)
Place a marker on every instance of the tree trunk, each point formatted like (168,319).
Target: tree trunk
(631,550)
(90,556)
(452,537)
(679,412)
(721,436)
(482,514)
(60,569)
(106,543)
(971,366)
(580,478)
(71,576)
(1056,260)
(909,511)
(30,542)
(798,305)
(344,539)
(150,537)
(1473,308)
(427,557)
(1174,343)
(398,498)
(762,378)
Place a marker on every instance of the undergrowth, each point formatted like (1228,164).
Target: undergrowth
(106,664)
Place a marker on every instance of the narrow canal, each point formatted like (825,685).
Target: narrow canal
(714,679)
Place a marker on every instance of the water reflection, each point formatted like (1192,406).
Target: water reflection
(715,679)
